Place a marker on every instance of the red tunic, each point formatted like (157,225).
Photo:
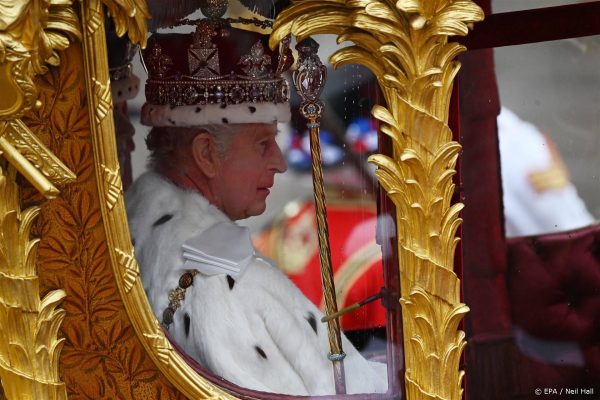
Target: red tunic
(356,258)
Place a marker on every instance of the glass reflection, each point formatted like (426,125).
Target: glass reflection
(125,86)
(552,271)
(538,194)
(348,136)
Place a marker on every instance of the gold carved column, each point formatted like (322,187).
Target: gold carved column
(405,44)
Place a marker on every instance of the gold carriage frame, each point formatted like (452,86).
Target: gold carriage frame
(56,130)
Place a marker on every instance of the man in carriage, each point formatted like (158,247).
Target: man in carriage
(214,98)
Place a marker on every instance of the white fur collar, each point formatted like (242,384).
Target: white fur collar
(160,212)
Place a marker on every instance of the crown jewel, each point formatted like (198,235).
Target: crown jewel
(256,63)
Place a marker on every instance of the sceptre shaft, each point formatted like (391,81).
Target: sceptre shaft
(309,79)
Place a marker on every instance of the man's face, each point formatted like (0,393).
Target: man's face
(247,171)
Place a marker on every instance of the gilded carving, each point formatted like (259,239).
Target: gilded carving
(38,155)
(162,346)
(130,17)
(101,357)
(31,34)
(93,20)
(405,44)
(113,186)
(103,100)
(129,267)
(19,91)
(29,351)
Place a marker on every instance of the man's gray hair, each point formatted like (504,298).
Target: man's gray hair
(167,145)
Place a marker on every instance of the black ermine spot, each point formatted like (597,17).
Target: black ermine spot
(260,352)
(162,220)
(186,322)
(312,321)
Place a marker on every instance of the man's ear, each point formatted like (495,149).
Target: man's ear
(205,155)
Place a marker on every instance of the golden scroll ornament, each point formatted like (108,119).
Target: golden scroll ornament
(29,349)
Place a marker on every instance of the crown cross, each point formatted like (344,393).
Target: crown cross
(203,63)
(203,54)
(256,62)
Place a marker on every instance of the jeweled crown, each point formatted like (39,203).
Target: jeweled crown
(215,65)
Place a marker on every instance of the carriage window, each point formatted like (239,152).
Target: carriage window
(271,315)
(288,232)
(548,132)
(531,297)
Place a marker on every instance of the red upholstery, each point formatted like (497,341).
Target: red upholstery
(554,290)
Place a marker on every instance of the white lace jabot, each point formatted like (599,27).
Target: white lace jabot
(224,248)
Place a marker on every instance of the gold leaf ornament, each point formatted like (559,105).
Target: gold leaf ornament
(162,346)
(113,186)
(103,94)
(31,34)
(130,269)
(46,29)
(130,17)
(29,351)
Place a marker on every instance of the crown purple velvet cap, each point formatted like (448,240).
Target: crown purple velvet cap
(215,75)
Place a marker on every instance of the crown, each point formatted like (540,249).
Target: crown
(216,74)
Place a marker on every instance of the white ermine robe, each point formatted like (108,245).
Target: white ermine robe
(257,331)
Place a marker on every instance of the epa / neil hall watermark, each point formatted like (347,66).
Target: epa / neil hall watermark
(564,391)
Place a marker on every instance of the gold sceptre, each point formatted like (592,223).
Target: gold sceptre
(309,79)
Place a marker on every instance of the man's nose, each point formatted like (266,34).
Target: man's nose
(279,164)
